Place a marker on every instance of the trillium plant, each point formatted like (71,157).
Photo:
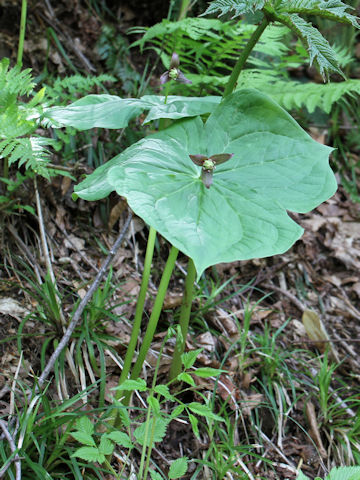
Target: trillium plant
(218,182)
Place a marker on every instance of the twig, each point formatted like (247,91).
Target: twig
(77,315)
(13,386)
(292,297)
(13,448)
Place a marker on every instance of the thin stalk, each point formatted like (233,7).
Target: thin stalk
(155,314)
(153,320)
(185,4)
(139,309)
(22,33)
(184,320)
(244,56)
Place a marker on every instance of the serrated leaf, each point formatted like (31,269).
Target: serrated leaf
(301,476)
(344,473)
(177,411)
(154,403)
(155,475)
(185,377)
(84,438)
(239,7)
(178,468)
(194,424)
(332,9)
(90,454)
(121,438)
(204,411)
(276,167)
(206,372)
(84,424)
(317,46)
(131,385)
(110,111)
(159,434)
(106,447)
(188,358)
(164,391)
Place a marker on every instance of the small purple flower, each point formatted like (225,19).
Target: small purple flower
(208,165)
(174,73)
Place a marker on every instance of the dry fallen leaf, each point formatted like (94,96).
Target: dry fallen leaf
(315,329)
(9,306)
(314,429)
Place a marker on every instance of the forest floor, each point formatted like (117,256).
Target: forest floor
(304,305)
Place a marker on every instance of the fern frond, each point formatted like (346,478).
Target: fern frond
(332,9)
(32,152)
(14,123)
(67,88)
(240,7)
(13,83)
(291,94)
(317,46)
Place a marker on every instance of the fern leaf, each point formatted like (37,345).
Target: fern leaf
(318,47)
(240,7)
(292,94)
(331,9)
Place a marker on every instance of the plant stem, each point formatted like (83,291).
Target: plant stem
(153,320)
(184,320)
(184,9)
(22,33)
(156,311)
(244,56)
(139,309)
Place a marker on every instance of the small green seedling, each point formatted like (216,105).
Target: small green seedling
(337,473)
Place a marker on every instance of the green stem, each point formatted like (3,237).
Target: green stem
(184,9)
(154,318)
(22,33)
(139,309)
(184,320)
(155,314)
(244,56)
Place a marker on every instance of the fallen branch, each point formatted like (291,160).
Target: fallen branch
(13,448)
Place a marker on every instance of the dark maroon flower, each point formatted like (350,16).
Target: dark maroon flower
(174,73)
(208,165)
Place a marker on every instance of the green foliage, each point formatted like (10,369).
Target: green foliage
(209,49)
(288,13)
(178,468)
(19,121)
(110,111)
(238,7)
(164,187)
(337,473)
(319,49)
(62,90)
(114,49)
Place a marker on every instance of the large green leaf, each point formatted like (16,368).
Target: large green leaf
(276,167)
(110,111)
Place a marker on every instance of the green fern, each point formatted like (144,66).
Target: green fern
(288,13)
(240,7)
(291,94)
(63,90)
(19,121)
